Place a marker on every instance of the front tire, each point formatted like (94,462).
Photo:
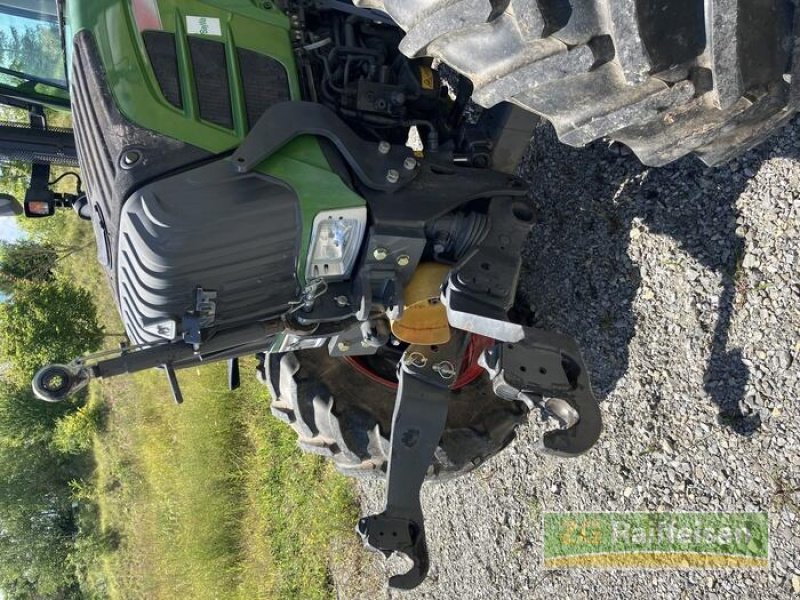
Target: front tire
(341,413)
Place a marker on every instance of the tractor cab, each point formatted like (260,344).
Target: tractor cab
(33,91)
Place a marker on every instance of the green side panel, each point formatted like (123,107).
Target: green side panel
(243,24)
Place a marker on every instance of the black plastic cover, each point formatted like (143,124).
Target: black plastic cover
(103,135)
(234,234)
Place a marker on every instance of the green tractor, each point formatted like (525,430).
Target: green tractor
(329,186)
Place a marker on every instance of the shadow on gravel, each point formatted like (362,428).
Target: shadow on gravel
(578,276)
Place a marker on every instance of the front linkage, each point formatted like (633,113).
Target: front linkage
(542,369)
(540,364)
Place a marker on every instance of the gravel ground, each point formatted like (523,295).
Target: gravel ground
(682,285)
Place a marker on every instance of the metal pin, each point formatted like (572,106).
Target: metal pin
(445,369)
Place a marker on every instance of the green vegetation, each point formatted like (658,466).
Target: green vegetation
(47,322)
(31,47)
(26,261)
(211,499)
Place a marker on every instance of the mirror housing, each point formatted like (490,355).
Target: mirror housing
(83,208)
(39,202)
(9,206)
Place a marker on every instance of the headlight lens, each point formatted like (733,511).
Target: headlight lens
(335,240)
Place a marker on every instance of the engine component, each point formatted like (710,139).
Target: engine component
(456,234)
(353,66)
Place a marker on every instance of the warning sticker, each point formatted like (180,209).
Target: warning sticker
(203,26)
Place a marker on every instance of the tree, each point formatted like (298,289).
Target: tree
(37,516)
(37,522)
(32,48)
(44,323)
(26,261)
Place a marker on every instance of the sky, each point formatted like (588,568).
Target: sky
(10,230)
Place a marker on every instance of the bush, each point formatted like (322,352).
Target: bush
(47,322)
(74,433)
(25,419)
(26,261)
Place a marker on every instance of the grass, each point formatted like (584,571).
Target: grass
(211,499)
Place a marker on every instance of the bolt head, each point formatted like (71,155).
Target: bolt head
(392,175)
(343,346)
(130,158)
(403,260)
(384,147)
(342,300)
(380,253)
(410,163)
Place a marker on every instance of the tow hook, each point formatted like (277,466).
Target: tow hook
(541,365)
(545,370)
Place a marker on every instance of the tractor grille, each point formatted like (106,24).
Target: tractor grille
(263,79)
(265,83)
(163,57)
(211,79)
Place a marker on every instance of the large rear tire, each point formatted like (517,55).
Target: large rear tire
(664,77)
(341,413)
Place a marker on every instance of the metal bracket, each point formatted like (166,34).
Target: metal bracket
(420,413)
(282,122)
(360,339)
(481,290)
(548,364)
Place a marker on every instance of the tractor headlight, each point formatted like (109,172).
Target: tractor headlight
(335,240)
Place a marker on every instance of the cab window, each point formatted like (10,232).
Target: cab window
(30,44)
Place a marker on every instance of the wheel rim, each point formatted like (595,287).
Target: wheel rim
(381,367)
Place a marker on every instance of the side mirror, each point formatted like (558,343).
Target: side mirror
(9,206)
